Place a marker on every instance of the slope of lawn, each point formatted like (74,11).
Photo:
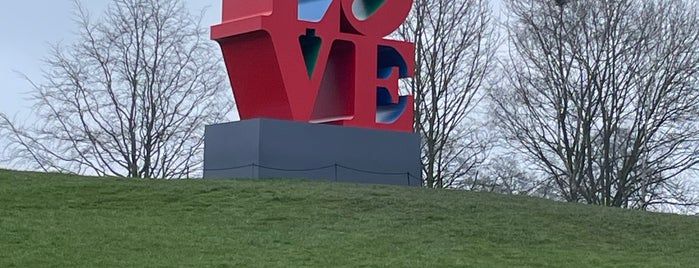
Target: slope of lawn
(50,220)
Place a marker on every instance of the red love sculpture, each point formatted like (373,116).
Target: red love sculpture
(318,61)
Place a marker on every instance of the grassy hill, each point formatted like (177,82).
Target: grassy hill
(68,221)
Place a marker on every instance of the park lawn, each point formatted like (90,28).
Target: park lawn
(51,220)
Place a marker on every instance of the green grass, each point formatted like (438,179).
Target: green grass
(49,220)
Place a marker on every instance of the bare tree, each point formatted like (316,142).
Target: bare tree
(505,174)
(603,96)
(455,43)
(130,98)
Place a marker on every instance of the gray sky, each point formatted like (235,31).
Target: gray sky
(29,27)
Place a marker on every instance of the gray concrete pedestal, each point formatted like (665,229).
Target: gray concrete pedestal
(266,148)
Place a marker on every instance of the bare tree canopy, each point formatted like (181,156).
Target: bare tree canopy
(603,96)
(130,98)
(455,43)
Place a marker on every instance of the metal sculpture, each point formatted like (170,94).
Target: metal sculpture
(318,61)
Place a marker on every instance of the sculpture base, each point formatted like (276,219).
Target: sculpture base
(266,148)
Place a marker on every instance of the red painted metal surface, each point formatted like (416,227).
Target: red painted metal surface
(319,61)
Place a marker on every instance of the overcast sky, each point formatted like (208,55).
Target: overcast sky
(29,27)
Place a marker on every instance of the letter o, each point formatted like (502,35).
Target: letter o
(376,17)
